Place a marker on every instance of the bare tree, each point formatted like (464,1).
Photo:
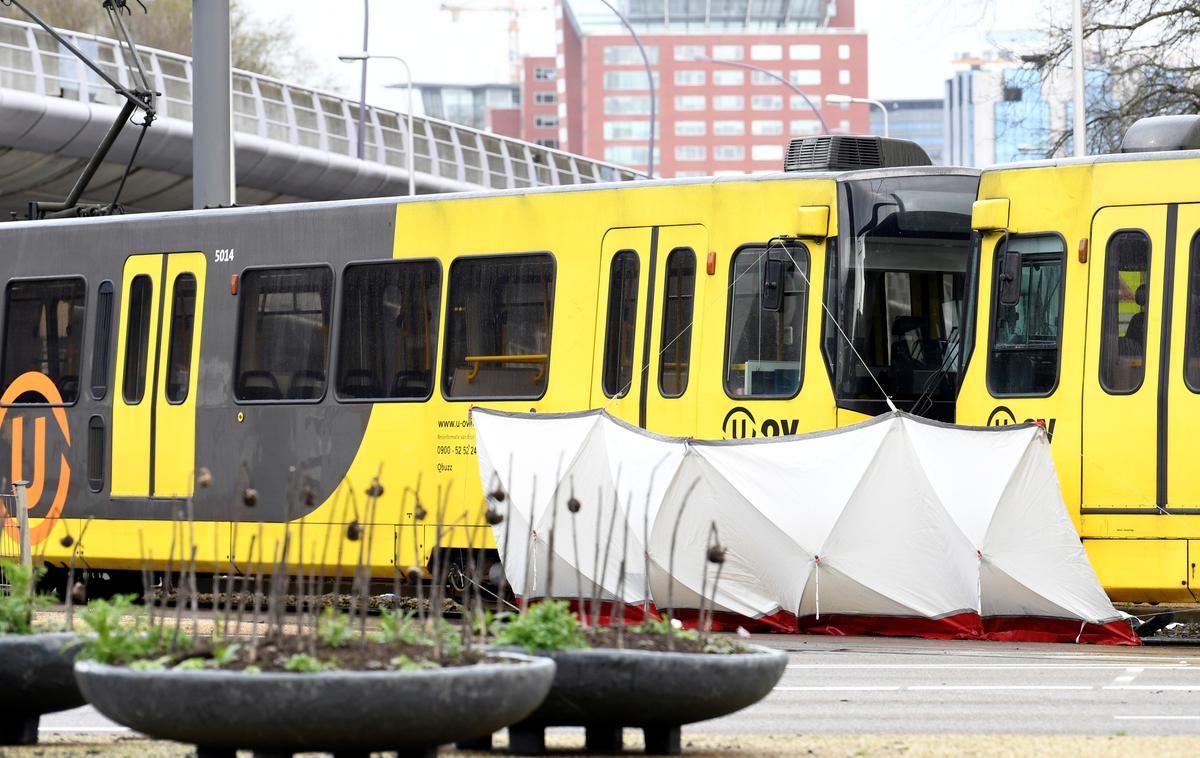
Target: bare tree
(1142,58)
(167,25)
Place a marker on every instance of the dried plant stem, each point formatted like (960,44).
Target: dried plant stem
(646,541)
(612,520)
(620,618)
(70,611)
(245,583)
(671,565)
(254,633)
(591,609)
(550,558)
(578,573)
(147,600)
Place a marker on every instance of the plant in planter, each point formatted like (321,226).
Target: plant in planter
(654,675)
(36,673)
(328,682)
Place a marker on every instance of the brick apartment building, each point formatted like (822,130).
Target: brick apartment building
(712,118)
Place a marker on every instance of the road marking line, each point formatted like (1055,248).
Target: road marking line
(84,729)
(848,688)
(1155,687)
(987,666)
(1158,718)
(981,687)
(1129,675)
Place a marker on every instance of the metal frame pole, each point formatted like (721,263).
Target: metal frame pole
(212,106)
(362,91)
(23,523)
(1080,131)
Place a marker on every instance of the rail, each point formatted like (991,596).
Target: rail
(32,61)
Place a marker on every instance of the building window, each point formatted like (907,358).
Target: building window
(766,128)
(690,78)
(843,76)
(620,333)
(628,130)
(1024,354)
(545,122)
(767,102)
(689,152)
(800,127)
(627,105)
(766,152)
(725,78)
(844,52)
(804,52)
(690,128)
(766,52)
(629,55)
(675,340)
(179,350)
(628,155)
(1012,94)
(729,128)
(387,338)
(729,103)
(550,143)
(283,342)
(545,98)
(689,174)
(691,102)
(727,52)
(764,348)
(802,77)
(729,153)
(763,77)
(137,339)
(498,317)
(1125,306)
(544,74)
(688,52)
(798,103)
(43,332)
(619,80)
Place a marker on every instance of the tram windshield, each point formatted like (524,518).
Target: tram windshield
(901,277)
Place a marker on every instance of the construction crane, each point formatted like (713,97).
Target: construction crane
(514,9)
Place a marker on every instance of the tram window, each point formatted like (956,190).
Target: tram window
(1026,337)
(675,348)
(183,323)
(621,328)
(43,328)
(1123,320)
(764,352)
(498,319)
(388,331)
(104,307)
(137,339)
(1191,353)
(283,334)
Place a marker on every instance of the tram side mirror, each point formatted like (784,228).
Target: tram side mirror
(1010,275)
(772,286)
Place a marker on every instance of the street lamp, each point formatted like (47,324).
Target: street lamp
(649,81)
(773,75)
(362,108)
(839,99)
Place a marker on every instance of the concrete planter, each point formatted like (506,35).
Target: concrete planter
(605,690)
(343,712)
(36,677)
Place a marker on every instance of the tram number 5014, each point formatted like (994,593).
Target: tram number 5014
(223,255)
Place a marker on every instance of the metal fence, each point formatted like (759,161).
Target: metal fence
(32,61)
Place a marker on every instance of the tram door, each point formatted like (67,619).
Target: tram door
(647,324)
(158,357)
(1123,358)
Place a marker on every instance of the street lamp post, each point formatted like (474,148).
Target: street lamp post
(364,56)
(649,81)
(773,75)
(838,99)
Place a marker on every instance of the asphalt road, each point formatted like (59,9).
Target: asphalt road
(860,685)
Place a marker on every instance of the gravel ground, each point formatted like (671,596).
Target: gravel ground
(709,746)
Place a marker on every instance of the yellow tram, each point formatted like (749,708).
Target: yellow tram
(1088,320)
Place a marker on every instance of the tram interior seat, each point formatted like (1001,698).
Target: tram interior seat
(1133,342)
(306,385)
(359,383)
(259,385)
(910,355)
(410,384)
(68,386)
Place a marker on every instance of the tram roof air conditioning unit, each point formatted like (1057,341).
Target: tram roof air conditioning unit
(1162,133)
(850,153)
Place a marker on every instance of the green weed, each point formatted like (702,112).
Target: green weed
(304,664)
(544,627)
(17,607)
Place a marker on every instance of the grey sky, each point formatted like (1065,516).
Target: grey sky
(912,42)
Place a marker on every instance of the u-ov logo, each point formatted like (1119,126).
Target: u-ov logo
(32,381)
